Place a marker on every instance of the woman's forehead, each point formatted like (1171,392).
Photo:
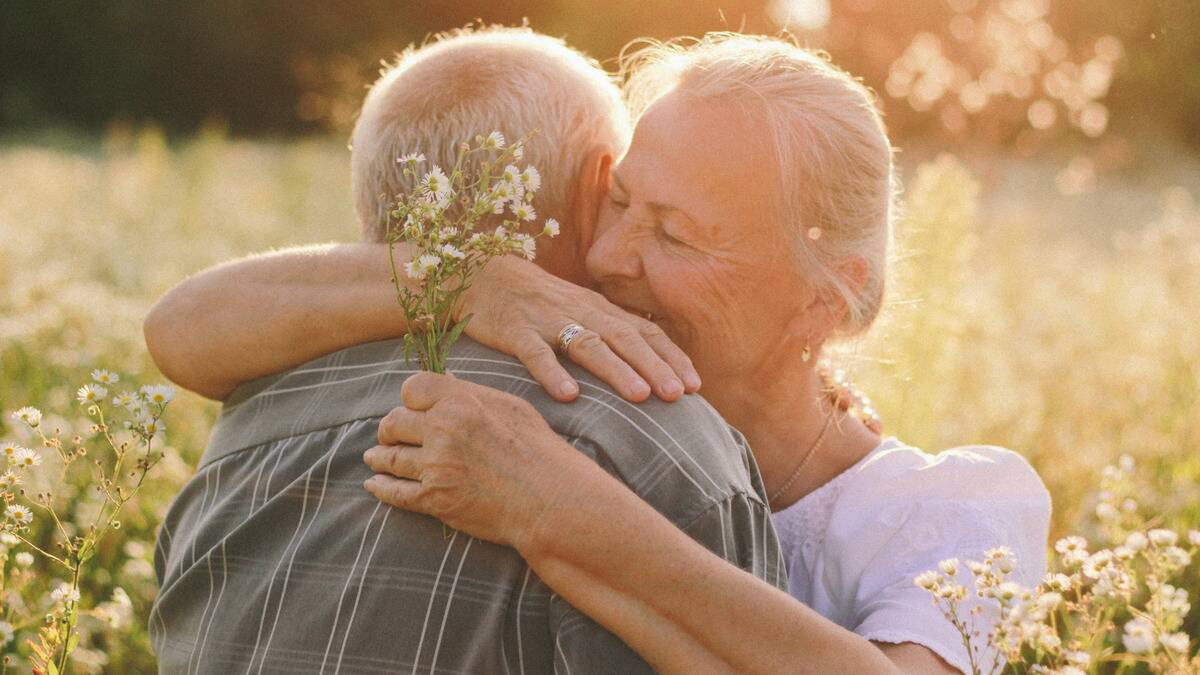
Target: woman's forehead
(702,151)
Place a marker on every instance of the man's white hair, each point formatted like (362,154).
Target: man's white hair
(471,82)
(834,158)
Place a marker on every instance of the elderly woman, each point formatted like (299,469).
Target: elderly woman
(750,220)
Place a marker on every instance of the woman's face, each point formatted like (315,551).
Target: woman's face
(691,234)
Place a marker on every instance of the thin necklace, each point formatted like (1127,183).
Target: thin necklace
(807,456)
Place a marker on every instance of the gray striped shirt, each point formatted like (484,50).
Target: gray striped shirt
(274,559)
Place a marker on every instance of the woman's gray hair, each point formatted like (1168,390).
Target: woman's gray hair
(470,82)
(834,158)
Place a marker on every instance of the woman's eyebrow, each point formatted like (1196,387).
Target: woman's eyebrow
(658,207)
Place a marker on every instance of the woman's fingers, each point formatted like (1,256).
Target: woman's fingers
(540,361)
(401,461)
(589,350)
(670,352)
(626,341)
(398,492)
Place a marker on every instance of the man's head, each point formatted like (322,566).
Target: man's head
(512,80)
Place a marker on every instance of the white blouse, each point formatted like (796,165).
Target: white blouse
(854,545)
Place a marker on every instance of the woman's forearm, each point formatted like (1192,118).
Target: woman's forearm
(673,601)
(260,315)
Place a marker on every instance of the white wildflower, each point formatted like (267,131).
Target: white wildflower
(551,230)
(9,480)
(10,450)
(1125,462)
(29,416)
(1177,557)
(422,266)
(105,377)
(9,539)
(26,458)
(1137,541)
(1057,582)
(1176,642)
(6,633)
(437,185)
(523,211)
(450,251)
(1129,506)
(158,394)
(1008,591)
(511,175)
(126,399)
(19,513)
(24,559)
(1161,537)
(1106,511)
(494,141)
(91,393)
(531,179)
(1071,670)
(949,567)
(412,158)
(1139,636)
(930,580)
(1049,601)
(1194,537)
(154,428)
(65,593)
(518,152)
(526,244)
(1077,657)
(501,194)
(1097,563)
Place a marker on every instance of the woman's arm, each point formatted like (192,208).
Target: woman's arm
(263,314)
(486,463)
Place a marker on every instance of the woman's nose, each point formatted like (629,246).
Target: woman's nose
(615,253)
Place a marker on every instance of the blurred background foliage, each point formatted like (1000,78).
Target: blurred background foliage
(298,66)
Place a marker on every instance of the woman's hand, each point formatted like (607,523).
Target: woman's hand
(519,309)
(480,460)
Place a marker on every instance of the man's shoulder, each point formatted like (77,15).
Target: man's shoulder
(682,450)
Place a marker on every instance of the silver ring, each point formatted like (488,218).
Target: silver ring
(567,335)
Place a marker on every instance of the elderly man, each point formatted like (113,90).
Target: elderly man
(275,559)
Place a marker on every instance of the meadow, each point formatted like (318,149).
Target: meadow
(1070,342)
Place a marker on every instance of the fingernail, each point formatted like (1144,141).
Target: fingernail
(568,389)
(692,380)
(672,388)
(639,388)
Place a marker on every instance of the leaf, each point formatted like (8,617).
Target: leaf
(454,333)
(73,642)
(51,669)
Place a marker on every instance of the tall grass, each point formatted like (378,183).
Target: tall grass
(1069,349)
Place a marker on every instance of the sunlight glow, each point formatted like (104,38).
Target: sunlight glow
(800,14)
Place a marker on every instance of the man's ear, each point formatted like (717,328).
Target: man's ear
(590,191)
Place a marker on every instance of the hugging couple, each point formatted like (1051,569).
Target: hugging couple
(639,461)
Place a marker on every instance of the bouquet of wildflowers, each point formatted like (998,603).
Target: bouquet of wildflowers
(1111,610)
(455,224)
(65,530)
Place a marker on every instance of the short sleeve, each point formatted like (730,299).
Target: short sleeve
(906,512)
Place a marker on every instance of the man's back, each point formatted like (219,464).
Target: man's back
(274,559)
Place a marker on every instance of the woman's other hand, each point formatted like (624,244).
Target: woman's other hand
(520,309)
(480,460)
